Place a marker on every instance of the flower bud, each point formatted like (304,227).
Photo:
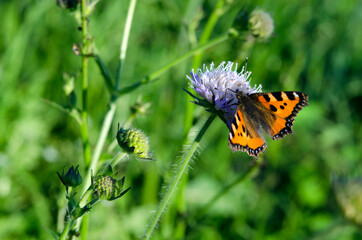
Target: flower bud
(72,178)
(133,141)
(261,24)
(108,188)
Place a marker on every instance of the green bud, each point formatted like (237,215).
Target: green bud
(133,141)
(108,188)
(261,24)
(72,178)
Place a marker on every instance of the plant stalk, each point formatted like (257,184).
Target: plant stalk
(123,51)
(85,54)
(157,73)
(176,179)
(66,230)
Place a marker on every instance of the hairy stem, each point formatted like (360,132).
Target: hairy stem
(185,160)
(189,109)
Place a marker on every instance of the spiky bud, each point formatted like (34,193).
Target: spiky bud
(106,187)
(261,24)
(133,141)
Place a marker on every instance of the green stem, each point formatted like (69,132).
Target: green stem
(117,159)
(210,24)
(70,223)
(84,228)
(123,51)
(97,153)
(85,53)
(84,219)
(66,230)
(100,143)
(84,126)
(160,71)
(197,59)
(177,177)
(85,196)
(109,116)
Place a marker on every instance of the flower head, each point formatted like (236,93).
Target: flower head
(107,187)
(261,24)
(218,86)
(134,141)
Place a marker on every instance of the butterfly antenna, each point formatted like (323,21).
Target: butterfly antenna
(231,90)
(246,63)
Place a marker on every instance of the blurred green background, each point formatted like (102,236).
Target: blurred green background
(308,188)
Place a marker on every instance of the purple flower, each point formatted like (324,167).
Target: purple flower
(218,86)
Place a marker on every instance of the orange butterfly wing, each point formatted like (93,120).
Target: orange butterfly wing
(285,106)
(243,137)
(275,112)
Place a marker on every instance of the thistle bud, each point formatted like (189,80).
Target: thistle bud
(108,188)
(261,24)
(72,178)
(133,141)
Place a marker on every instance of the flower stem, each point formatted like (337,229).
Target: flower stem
(210,24)
(127,29)
(97,153)
(117,159)
(100,143)
(85,54)
(157,73)
(66,230)
(177,177)
(84,126)
(110,114)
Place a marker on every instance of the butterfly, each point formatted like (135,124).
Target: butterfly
(272,112)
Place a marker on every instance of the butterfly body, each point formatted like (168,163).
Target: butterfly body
(273,113)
